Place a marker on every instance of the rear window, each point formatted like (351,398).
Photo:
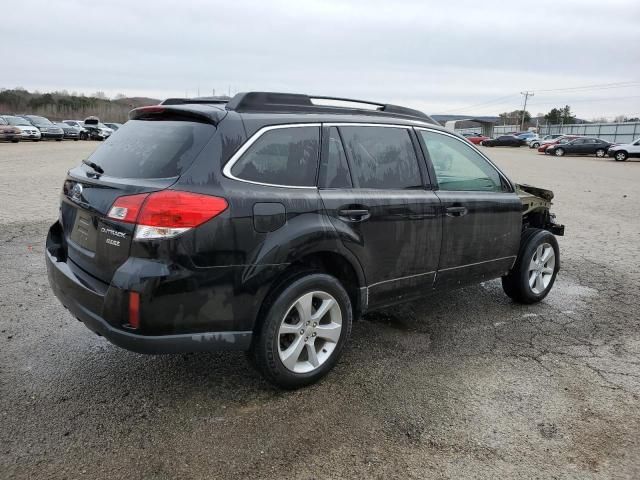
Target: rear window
(152,149)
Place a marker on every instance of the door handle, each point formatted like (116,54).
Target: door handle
(354,214)
(456,211)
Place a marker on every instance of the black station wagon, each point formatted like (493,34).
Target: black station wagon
(270,222)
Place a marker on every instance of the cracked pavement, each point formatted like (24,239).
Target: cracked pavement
(463,385)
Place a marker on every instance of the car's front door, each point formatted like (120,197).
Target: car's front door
(482,218)
(373,183)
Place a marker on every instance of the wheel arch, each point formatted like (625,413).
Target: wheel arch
(337,263)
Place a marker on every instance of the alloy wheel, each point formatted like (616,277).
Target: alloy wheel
(309,332)
(541,268)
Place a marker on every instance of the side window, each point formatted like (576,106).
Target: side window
(283,156)
(458,166)
(334,170)
(381,157)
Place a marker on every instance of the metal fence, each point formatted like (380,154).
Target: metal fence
(611,132)
(497,129)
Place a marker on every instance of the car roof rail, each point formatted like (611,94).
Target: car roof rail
(295,102)
(222,99)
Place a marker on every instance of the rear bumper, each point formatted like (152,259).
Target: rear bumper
(85,303)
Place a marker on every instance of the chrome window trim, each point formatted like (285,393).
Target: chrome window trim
(360,124)
(226,171)
(477,150)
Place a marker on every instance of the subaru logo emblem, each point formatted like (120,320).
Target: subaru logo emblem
(76,191)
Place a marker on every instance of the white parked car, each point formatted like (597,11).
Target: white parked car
(29,132)
(535,142)
(84,135)
(624,151)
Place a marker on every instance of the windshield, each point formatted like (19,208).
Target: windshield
(15,121)
(39,120)
(152,149)
(3,121)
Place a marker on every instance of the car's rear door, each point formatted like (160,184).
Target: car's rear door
(482,213)
(375,189)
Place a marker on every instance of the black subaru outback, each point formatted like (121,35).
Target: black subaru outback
(270,222)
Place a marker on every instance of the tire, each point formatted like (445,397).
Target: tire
(285,327)
(621,156)
(559,152)
(527,269)
(58,139)
(535,145)
(15,141)
(600,153)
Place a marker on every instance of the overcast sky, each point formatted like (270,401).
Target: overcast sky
(471,57)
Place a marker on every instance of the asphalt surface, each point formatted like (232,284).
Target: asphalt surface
(465,385)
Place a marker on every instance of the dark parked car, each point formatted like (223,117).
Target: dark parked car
(47,128)
(504,141)
(270,223)
(580,146)
(9,132)
(70,132)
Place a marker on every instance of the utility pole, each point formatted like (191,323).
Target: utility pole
(526,94)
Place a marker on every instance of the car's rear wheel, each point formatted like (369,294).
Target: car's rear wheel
(535,269)
(600,153)
(621,156)
(303,331)
(535,145)
(559,152)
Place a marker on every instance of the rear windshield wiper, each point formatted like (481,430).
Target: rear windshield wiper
(94,166)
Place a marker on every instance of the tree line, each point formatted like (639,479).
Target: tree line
(555,116)
(63,105)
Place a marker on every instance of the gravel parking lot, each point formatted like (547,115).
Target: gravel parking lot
(465,385)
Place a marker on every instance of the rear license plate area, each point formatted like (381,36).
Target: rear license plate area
(84,232)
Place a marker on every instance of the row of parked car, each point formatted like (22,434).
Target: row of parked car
(560,145)
(14,128)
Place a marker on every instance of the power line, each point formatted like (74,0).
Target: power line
(608,99)
(593,86)
(478,104)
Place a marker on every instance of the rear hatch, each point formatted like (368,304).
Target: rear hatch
(142,156)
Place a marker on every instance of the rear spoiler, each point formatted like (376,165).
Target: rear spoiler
(184,112)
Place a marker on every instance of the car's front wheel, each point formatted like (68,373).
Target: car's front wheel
(535,145)
(303,331)
(621,156)
(559,152)
(535,269)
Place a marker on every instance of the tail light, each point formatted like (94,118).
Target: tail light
(167,213)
